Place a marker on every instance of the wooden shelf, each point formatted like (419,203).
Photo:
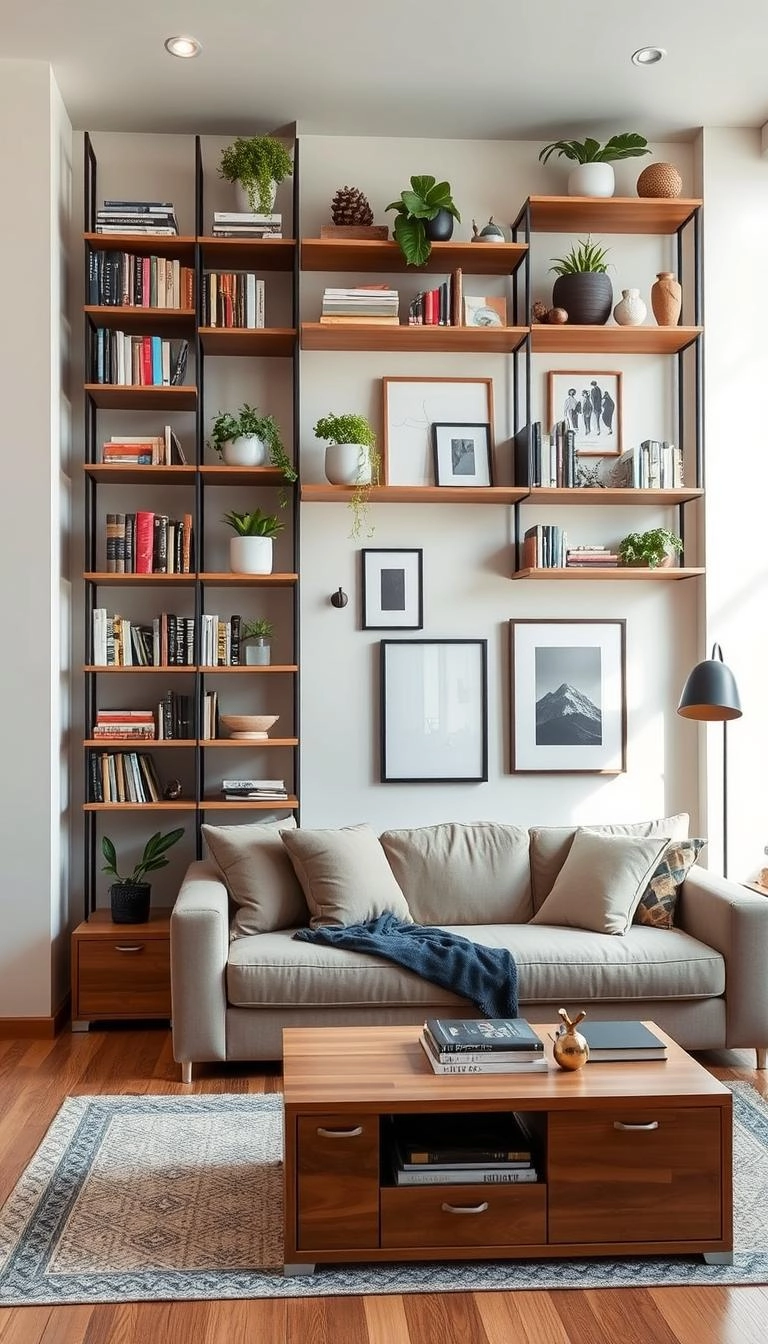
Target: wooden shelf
(362,254)
(461,340)
(249,743)
(115,397)
(577,496)
(260,669)
(122,473)
(223,475)
(621,573)
(272,342)
(250,580)
(614,214)
(611,340)
(139,580)
(142,321)
(253,805)
(145,244)
(140,668)
(137,744)
(178,805)
(417,494)
(237,254)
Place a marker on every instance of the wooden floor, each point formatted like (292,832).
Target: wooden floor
(36,1076)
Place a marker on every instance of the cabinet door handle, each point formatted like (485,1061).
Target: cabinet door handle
(465,1208)
(340,1133)
(121,947)
(620,1124)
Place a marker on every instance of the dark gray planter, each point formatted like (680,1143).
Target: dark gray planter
(129,902)
(439,229)
(587,297)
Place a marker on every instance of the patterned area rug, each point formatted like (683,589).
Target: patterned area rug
(164,1198)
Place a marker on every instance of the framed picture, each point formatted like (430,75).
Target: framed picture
(462,454)
(434,711)
(569,706)
(490,311)
(412,406)
(392,589)
(589,400)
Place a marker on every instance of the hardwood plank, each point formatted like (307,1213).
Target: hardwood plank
(713,1315)
(23,1325)
(68,1325)
(111,1323)
(631,1314)
(580,1321)
(448,1318)
(327,1320)
(526,1318)
(237,1322)
(386,1321)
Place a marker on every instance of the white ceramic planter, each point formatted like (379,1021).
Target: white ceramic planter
(246,451)
(250,555)
(592,179)
(257,653)
(244,204)
(630,311)
(348,464)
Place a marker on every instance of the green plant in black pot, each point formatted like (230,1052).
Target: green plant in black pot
(425,214)
(583,287)
(258,163)
(652,549)
(130,896)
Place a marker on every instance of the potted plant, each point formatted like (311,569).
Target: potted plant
(246,438)
(425,214)
(583,288)
(594,175)
(256,164)
(253,637)
(652,549)
(250,551)
(129,896)
(351,459)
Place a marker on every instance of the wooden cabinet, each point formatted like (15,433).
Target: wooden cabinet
(464,1216)
(121,971)
(338,1181)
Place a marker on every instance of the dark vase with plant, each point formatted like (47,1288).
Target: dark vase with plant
(583,288)
(425,214)
(351,459)
(254,639)
(258,163)
(594,174)
(130,896)
(653,549)
(250,550)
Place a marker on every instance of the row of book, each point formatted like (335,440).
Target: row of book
(549,460)
(139,217)
(545,546)
(144,449)
(171,720)
(463,1149)
(122,279)
(365,305)
(654,464)
(123,777)
(495,1045)
(438,307)
(149,543)
(232,299)
(254,790)
(247,224)
(168,642)
(123,360)
(545,459)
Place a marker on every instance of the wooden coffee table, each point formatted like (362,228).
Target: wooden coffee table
(635,1158)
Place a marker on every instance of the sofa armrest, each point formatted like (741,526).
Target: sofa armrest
(734,921)
(199,951)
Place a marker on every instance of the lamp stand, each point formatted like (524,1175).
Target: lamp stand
(725,798)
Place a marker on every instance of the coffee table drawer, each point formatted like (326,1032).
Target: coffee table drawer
(635,1173)
(338,1181)
(463,1215)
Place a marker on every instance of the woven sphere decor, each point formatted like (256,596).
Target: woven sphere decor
(659,179)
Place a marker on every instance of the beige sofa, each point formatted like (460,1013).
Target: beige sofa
(239,977)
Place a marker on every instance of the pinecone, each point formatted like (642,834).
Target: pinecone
(350,206)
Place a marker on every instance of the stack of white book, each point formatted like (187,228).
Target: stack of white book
(139,217)
(363,304)
(250,790)
(492,1045)
(246,224)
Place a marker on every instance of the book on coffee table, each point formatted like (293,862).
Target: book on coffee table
(486,1063)
(486,1034)
(609,1041)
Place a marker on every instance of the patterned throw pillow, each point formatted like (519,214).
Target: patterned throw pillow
(658,901)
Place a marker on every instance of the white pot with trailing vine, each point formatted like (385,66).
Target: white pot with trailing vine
(254,641)
(594,175)
(250,550)
(246,438)
(256,165)
(351,459)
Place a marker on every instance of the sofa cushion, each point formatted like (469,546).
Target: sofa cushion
(658,901)
(550,846)
(462,873)
(600,884)
(344,875)
(258,875)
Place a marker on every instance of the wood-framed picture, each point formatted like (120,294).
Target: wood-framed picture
(434,711)
(462,454)
(392,588)
(412,406)
(568,696)
(589,401)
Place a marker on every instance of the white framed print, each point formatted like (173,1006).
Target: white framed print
(392,588)
(462,454)
(434,711)
(589,401)
(412,406)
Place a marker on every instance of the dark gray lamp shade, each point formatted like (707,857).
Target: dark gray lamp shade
(710,693)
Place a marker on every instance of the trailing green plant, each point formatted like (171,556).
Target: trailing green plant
(584,257)
(152,858)
(648,548)
(256,162)
(256,524)
(249,420)
(425,200)
(261,628)
(354,428)
(349,428)
(628,145)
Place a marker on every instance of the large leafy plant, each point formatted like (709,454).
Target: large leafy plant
(648,548)
(626,146)
(425,200)
(249,420)
(256,162)
(585,256)
(256,524)
(152,858)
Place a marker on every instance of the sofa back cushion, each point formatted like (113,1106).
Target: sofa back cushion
(259,877)
(344,875)
(456,873)
(550,846)
(601,882)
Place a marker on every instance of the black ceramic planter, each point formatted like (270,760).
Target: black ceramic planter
(439,229)
(130,902)
(586,296)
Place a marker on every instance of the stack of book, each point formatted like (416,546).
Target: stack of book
(123,777)
(493,1045)
(366,305)
(250,790)
(148,543)
(246,224)
(439,307)
(134,723)
(544,547)
(140,217)
(168,642)
(462,1150)
(124,360)
(232,299)
(591,557)
(123,279)
(144,449)
(613,1041)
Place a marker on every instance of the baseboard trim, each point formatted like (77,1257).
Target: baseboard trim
(35,1028)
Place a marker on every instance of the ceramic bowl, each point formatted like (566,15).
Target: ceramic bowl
(239,724)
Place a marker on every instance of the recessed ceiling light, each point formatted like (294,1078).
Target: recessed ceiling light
(185,47)
(648,55)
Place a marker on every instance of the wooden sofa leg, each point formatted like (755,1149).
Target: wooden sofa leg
(186,1070)
(762,1056)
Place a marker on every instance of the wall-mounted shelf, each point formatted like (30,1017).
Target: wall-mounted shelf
(144,244)
(352,254)
(416,494)
(268,342)
(424,339)
(114,397)
(612,214)
(122,473)
(580,495)
(136,320)
(622,573)
(242,254)
(611,340)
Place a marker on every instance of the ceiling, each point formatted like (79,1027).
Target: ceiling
(456,69)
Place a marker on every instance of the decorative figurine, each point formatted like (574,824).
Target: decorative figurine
(570,1049)
(540,311)
(490,234)
(173,790)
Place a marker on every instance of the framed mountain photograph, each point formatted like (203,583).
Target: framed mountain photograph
(569,704)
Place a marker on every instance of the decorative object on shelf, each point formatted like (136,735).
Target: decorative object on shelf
(247,727)
(569,707)
(594,175)
(539,311)
(425,214)
(130,896)
(351,206)
(589,401)
(490,311)
(557,317)
(250,552)
(582,286)
(449,744)
(392,581)
(491,233)
(660,180)
(711,695)
(630,311)
(462,454)
(666,299)
(173,790)
(254,639)
(412,406)
(351,458)
(654,549)
(339,599)
(257,165)
(246,438)
(589,477)
(570,1049)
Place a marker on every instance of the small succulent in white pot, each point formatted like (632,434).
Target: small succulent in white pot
(250,550)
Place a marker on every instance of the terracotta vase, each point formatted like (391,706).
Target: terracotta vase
(666,299)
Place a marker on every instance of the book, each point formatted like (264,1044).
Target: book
(482,1056)
(252,784)
(483,1176)
(621,1041)
(485,1034)
(491,1066)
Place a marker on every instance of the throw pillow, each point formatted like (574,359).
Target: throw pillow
(259,877)
(658,901)
(550,846)
(601,882)
(345,876)
(462,873)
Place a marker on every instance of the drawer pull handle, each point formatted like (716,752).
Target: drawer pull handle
(121,947)
(619,1124)
(340,1133)
(465,1208)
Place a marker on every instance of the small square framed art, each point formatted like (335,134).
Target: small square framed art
(462,454)
(589,401)
(392,589)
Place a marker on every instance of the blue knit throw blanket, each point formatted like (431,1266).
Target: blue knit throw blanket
(487,976)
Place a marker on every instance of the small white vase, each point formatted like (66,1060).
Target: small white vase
(630,311)
(250,555)
(244,204)
(257,652)
(246,451)
(592,179)
(348,464)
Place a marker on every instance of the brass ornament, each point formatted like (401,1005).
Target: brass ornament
(570,1048)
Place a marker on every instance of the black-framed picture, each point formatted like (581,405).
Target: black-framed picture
(434,710)
(589,401)
(569,704)
(392,588)
(462,454)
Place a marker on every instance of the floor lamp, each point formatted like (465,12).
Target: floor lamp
(711,695)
